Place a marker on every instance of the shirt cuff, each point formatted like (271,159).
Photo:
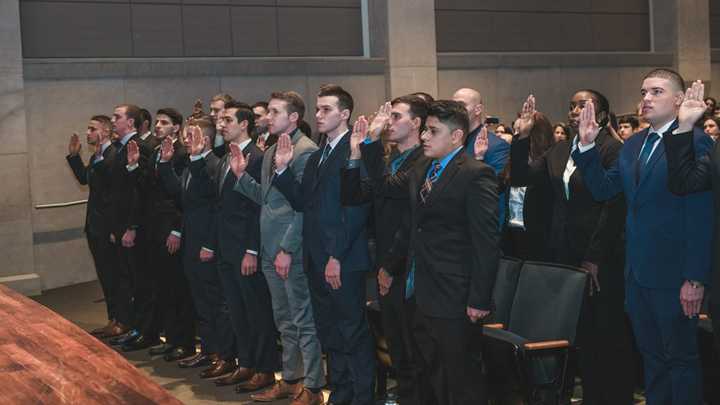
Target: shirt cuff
(584,148)
(195,158)
(353,163)
(207,250)
(279,172)
(176,233)
(252,252)
(132,167)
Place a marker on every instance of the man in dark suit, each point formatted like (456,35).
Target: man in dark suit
(125,220)
(237,220)
(197,198)
(171,299)
(97,229)
(498,151)
(405,120)
(668,238)
(336,252)
(452,239)
(690,173)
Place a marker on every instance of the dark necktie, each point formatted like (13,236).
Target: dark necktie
(427,186)
(645,154)
(118,146)
(326,153)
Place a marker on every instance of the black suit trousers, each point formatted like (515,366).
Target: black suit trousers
(445,346)
(103,254)
(248,298)
(173,303)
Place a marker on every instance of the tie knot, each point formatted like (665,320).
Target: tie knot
(435,170)
(652,137)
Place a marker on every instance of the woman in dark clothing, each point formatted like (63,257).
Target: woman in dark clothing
(586,234)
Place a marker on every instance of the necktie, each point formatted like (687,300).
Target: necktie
(326,153)
(645,154)
(224,172)
(272,166)
(427,186)
(118,146)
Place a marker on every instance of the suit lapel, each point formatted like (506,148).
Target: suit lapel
(267,171)
(447,174)
(656,155)
(335,154)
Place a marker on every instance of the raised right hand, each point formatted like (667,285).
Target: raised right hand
(133,153)
(167,149)
(384,281)
(588,128)
(74,146)
(197,141)
(526,122)
(283,152)
(358,137)
(381,120)
(238,162)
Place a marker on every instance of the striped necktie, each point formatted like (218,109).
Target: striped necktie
(427,186)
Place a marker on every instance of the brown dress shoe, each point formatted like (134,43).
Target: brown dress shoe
(279,390)
(258,381)
(307,397)
(103,330)
(220,367)
(199,359)
(239,375)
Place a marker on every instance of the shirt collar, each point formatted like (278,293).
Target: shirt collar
(244,143)
(105,146)
(204,154)
(406,153)
(662,129)
(125,139)
(337,139)
(145,135)
(444,161)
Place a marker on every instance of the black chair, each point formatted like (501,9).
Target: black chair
(382,351)
(530,355)
(504,290)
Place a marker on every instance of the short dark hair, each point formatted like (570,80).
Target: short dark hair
(104,120)
(425,96)
(293,100)
(224,97)
(262,104)
(145,116)
(345,100)
(714,102)
(629,119)
(243,113)
(418,107)
(451,113)
(132,111)
(669,74)
(175,116)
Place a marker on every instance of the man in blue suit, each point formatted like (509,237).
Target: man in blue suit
(336,251)
(498,151)
(668,238)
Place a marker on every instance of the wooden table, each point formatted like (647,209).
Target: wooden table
(45,359)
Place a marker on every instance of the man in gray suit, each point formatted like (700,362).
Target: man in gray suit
(282,257)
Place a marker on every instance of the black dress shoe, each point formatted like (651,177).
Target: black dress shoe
(164,348)
(179,353)
(200,359)
(140,343)
(126,338)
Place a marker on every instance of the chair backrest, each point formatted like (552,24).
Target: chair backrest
(504,289)
(547,301)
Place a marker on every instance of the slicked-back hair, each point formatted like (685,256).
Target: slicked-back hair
(345,100)
(293,101)
(173,114)
(243,113)
(418,107)
(132,111)
(104,120)
(669,74)
(224,97)
(425,96)
(451,113)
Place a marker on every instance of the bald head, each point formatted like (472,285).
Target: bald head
(474,105)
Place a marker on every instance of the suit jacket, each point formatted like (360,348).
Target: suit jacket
(237,218)
(329,228)
(195,189)
(582,229)
(390,209)
(691,173)
(280,225)
(498,150)
(98,211)
(453,238)
(126,210)
(668,236)
(160,207)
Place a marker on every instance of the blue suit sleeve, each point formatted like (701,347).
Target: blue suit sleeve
(603,184)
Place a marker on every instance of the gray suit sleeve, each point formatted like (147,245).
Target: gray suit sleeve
(291,241)
(249,188)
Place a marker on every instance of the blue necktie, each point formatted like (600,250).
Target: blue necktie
(645,154)
(326,153)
